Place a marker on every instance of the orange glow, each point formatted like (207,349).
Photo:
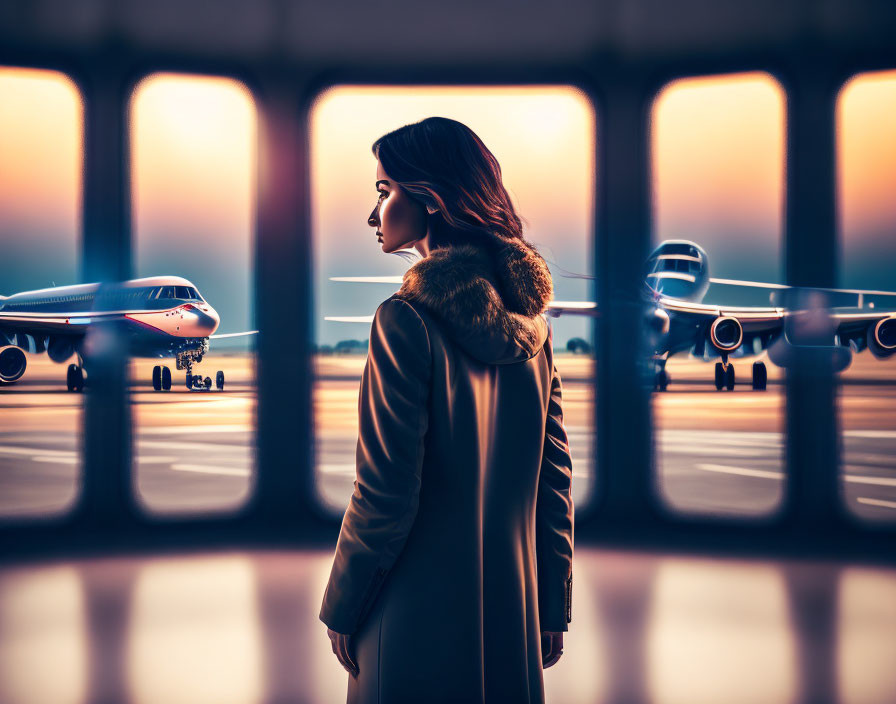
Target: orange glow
(866,122)
(543,137)
(40,157)
(718,159)
(193,146)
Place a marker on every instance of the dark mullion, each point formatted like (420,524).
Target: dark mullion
(623,467)
(284,492)
(812,497)
(107,498)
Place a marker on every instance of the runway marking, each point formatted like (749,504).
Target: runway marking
(878,481)
(876,502)
(203,469)
(57,460)
(9,450)
(724,469)
(871,434)
(190,429)
(764,474)
(196,446)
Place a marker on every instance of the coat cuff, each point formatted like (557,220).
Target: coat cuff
(555,611)
(339,619)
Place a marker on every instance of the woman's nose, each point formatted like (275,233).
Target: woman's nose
(373,220)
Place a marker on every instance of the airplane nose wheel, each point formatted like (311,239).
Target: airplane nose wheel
(219,380)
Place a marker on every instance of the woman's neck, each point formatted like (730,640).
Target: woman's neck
(423,245)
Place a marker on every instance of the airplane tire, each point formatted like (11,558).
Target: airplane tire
(219,380)
(720,376)
(166,379)
(760,376)
(74,378)
(208,382)
(157,378)
(729,377)
(662,380)
(189,380)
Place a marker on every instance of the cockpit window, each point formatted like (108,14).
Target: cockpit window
(167,292)
(182,292)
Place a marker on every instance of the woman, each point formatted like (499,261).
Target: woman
(452,576)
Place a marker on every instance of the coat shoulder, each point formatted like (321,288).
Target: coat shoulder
(397,319)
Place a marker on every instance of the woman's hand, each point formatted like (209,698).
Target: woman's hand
(344,650)
(551,648)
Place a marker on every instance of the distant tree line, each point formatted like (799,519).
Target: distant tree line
(575,345)
(343,347)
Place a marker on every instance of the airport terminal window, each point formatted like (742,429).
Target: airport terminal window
(41,117)
(866,150)
(717,149)
(543,138)
(193,159)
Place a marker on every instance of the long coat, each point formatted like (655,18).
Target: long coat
(456,548)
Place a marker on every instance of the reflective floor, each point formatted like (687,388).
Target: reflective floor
(243,627)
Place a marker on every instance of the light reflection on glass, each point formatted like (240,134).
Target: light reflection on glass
(194,633)
(720,635)
(43,649)
(866,656)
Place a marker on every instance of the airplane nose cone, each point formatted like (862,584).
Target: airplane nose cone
(213,320)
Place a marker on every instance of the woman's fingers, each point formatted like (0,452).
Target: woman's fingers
(340,644)
(347,659)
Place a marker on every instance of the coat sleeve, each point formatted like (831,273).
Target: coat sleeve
(554,519)
(393,418)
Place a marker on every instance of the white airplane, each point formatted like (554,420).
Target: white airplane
(165,316)
(676,281)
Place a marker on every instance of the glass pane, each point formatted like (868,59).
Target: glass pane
(40,211)
(866,116)
(543,139)
(194,143)
(718,169)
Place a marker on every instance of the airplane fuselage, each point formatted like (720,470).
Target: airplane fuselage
(163,315)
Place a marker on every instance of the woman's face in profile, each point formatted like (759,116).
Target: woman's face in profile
(399,219)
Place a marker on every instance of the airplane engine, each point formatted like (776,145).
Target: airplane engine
(726,333)
(12,364)
(882,337)
(60,349)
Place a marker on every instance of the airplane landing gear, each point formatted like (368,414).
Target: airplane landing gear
(760,376)
(74,378)
(724,375)
(161,378)
(661,378)
(195,382)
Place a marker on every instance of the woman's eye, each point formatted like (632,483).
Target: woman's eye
(383,194)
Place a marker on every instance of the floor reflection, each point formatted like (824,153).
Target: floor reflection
(243,627)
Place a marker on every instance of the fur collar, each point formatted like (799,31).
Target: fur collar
(491,304)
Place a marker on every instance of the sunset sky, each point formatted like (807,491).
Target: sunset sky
(718,162)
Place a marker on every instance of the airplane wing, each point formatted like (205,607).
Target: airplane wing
(555,309)
(233,334)
(860,294)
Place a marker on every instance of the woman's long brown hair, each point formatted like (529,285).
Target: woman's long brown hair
(444,165)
